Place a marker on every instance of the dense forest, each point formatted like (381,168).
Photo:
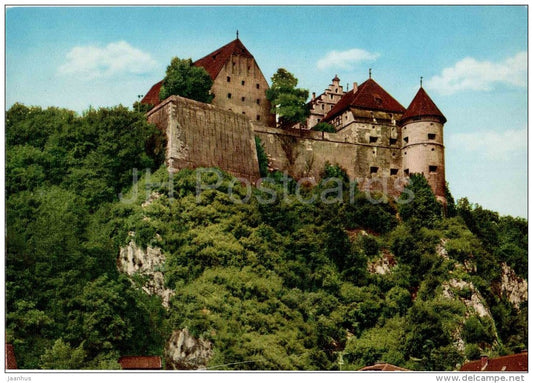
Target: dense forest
(321,285)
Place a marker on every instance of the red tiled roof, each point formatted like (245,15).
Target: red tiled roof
(11,362)
(516,362)
(422,105)
(383,367)
(369,95)
(152,97)
(214,61)
(140,362)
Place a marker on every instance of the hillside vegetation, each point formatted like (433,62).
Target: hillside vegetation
(286,285)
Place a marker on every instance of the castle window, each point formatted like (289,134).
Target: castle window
(243,112)
(257,101)
(318,120)
(432,169)
(392,141)
(432,149)
(406,172)
(406,139)
(373,169)
(242,99)
(336,90)
(229,95)
(393,172)
(257,86)
(373,139)
(331,96)
(431,136)
(322,106)
(242,82)
(405,153)
(257,117)
(228,79)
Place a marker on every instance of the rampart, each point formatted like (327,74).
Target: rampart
(304,153)
(202,135)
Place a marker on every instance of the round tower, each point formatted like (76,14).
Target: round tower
(423,142)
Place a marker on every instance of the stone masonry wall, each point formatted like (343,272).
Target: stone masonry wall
(202,135)
(305,153)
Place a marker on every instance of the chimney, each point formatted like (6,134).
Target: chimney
(484,362)
(354,87)
(314,96)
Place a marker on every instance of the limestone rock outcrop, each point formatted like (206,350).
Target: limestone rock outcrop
(513,287)
(148,263)
(185,352)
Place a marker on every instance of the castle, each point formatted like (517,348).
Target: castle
(377,141)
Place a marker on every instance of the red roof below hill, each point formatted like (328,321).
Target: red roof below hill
(516,362)
(423,105)
(140,362)
(383,367)
(11,362)
(369,95)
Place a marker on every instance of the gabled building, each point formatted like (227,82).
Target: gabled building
(140,362)
(368,102)
(238,83)
(516,362)
(321,105)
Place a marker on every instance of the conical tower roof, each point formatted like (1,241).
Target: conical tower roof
(423,106)
(370,96)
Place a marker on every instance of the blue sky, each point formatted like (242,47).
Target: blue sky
(473,59)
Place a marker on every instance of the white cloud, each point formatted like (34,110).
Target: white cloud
(345,59)
(491,144)
(116,58)
(471,74)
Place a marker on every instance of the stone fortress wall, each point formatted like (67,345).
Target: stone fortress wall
(203,135)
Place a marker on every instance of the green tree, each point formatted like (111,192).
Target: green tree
(324,127)
(423,209)
(63,357)
(261,157)
(288,102)
(186,80)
